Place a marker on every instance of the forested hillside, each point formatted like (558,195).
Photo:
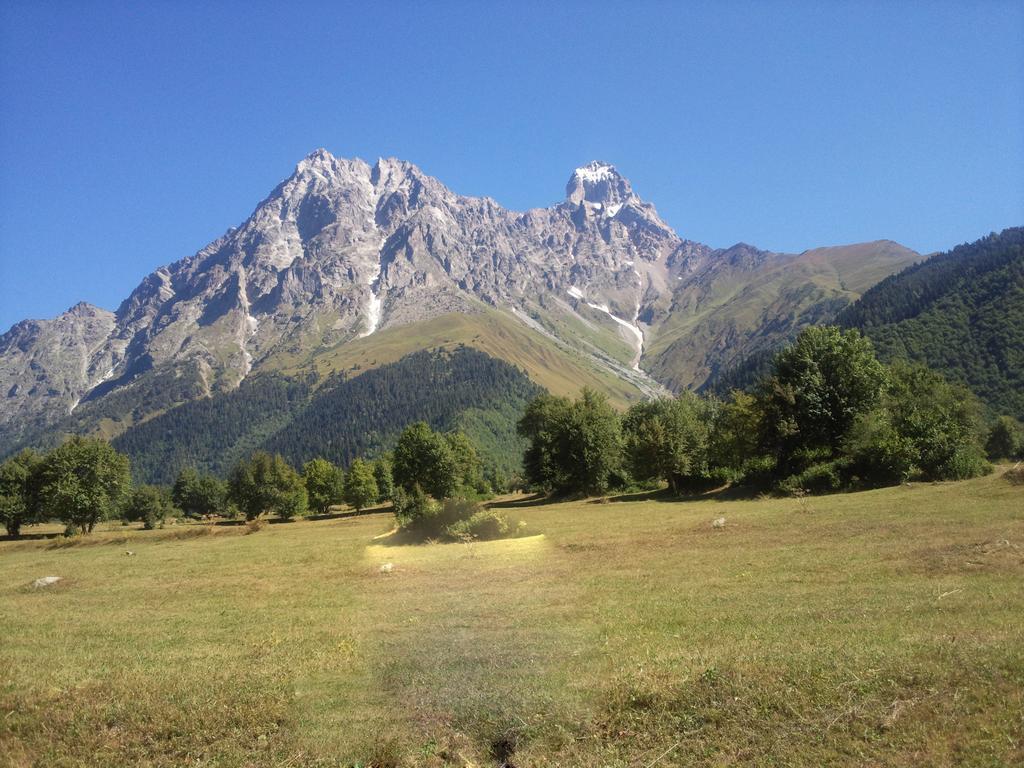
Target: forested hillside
(347,416)
(959,312)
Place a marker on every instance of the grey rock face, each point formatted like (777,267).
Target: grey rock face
(341,250)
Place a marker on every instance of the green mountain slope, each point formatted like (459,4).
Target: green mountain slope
(345,417)
(960,312)
(749,301)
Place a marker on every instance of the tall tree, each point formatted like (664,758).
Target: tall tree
(591,444)
(83,481)
(360,485)
(424,459)
(468,467)
(18,497)
(543,424)
(199,495)
(324,484)
(667,439)
(267,484)
(385,480)
(148,504)
(818,386)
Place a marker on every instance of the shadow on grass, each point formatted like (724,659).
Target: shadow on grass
(535,500)
(378,510)
(719,493)
(31,536)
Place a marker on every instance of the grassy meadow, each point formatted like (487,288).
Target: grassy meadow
(876,628)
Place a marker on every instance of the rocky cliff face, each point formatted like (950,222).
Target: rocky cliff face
(341,250)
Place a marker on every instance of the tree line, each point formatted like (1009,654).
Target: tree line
(826,415)
(86,480)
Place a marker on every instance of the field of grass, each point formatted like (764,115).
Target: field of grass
(877,628)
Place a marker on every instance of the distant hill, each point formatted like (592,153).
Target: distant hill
(345,417)
(960,312)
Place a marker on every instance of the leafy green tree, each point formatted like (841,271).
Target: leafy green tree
(878,453)
(667,439)
(543,425)
(423,458)
(818,386)
(734,440)
(267,484)
(18,497)
(82,482)
(325,484)
(199,495)
(385,480)
(148,504)
(468,466)
(574,446)
(360,485)
(1005,439)
(941,421)
(590,446)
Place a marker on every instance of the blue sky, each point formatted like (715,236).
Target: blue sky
(133,134)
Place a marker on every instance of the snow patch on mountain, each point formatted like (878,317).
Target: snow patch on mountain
(375,305)
(595,172)
(632,327)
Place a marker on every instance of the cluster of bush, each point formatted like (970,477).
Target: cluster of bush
(826,416)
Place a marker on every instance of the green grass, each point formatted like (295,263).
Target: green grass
(877,628)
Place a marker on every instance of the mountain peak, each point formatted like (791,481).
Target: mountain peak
(318,158)
(598,182)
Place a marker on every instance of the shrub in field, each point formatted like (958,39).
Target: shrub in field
(417,513)
(825,477)
(1016,474)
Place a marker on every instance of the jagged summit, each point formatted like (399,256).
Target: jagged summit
(598,182)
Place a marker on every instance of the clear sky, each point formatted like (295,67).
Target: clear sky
(132,134)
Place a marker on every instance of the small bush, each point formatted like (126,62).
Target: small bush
(484,525)
(817,478)
(420,515)
(255,526)
(1016,474)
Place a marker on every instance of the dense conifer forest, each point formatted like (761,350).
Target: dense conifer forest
(959,312)
(343,418)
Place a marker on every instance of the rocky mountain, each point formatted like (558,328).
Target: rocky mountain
(350,264)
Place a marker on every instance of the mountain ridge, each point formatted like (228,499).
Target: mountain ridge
(340,250)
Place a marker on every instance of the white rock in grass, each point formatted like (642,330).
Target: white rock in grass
(45,581)
(718,522)
(387,568)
